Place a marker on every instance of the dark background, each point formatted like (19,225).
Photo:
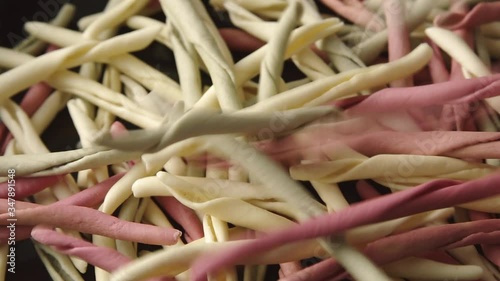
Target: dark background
(13,14)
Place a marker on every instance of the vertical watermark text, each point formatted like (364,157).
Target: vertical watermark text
(11,221)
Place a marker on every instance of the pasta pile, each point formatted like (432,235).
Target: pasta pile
(378,161)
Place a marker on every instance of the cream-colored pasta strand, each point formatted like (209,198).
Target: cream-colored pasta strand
(388,168)
(197,122)
(58,191)
(36,70)
(342,57)
(275,178)
(109,19)
(298,96)
(205,200)
(113,17)
(249,22)
(69,82)
(198,33)
(58,266)
(272,65)
(141,209)
(149,165)
(174,260)
(382,75)
(119,97)
(100,50)
(371,232)
(154,215)
(254,272)
(249,66)
(125,63)
(176,166)
(133,90)
(217,229)
(211,229)
(462,54)
(47,112)
(458,49)
(331,195)
(428,269)
(85,128)
(32,45)
(84,22)
(91,71)
(213,30)
(164,37)
(369,49)
(102,241)
(22,131)
(470,62)
(104,118)
(470,255)
(154,163)
(237,173)
(127,212)
(269,9)
(102,96)
(312,65)
(19,162)
(189,73)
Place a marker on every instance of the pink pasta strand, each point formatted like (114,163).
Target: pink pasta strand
(418,242)
(429,196)
(186,217)
(398,38)
(366,191)
(327,139)
(91,196)
(437,66)
(289,268)
(482,13)
(316,142)
(88,220)
(117,130)
(354,11)
(491,251)
(458,116)
(22,232)
(461,91)
(239,40)
(102,257)
(27,186)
